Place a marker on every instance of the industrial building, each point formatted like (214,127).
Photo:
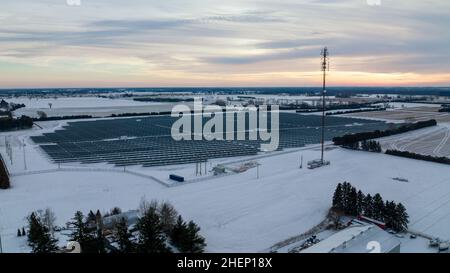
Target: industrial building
(358,239)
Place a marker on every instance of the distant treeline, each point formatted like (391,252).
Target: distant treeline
(110,116)
(332,91)
(445,109)
(353,138)
(304,107)
(167,99)
(365,145)
(140,114)
(443,160)
(355,111)
(45,118)
(10,106)
(9,123)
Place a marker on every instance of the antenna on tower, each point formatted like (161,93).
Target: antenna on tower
(325,66)
(325,63)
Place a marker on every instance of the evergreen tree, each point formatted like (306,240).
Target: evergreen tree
(79,228)
(360,203)
(337,198)
(123,237)
(377,147)
(151,237)
(19,234)
(85,233)
(346,188)
(364,145)
(178,232)
(378,207)
(115,211)
(373,146)
(353,145)
(390,214)
(99,244)
(91,217)
(194,242)
(368,206)
(352,203)
(186,237)
(39,238)
(402,218)
(100,238)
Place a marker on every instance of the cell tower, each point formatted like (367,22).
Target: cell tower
(325,65)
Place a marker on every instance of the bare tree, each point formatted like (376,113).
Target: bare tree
(168,216)
(48,219)
(145,206)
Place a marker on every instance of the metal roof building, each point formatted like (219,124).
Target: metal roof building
(358,239)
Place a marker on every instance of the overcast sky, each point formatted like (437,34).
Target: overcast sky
(127,43)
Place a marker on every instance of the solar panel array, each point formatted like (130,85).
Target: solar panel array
(148,142)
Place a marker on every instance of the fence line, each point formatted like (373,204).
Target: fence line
(65,169)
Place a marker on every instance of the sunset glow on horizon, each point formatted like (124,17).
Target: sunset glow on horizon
(174,43)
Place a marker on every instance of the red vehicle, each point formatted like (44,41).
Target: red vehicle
(372,221)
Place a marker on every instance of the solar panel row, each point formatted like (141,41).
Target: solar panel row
(147,141)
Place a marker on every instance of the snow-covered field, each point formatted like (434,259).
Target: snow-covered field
(95,106)
(434,141)
(71,102)
(402,105)
(239,213)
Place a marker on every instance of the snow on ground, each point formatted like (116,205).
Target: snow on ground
(240,213)
(402,105)
(95,106)
(71,102)
(434,141)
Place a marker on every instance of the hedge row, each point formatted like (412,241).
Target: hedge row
(352,138)
(443,160)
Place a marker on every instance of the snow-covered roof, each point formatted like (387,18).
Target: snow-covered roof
(130,216)
(356,239)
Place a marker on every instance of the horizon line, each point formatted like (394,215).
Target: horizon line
(219,87)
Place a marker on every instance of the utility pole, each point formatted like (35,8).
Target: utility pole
(325,67)
(257,171)
(1,246)
(24,155)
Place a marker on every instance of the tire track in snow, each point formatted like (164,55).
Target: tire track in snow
(422,138)
(437,150)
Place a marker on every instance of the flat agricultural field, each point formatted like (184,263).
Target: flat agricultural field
(412,114)
(434,141)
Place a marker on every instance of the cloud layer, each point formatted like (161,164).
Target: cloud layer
(222,43)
